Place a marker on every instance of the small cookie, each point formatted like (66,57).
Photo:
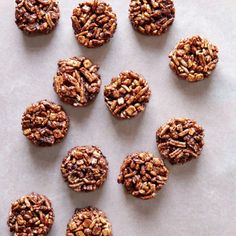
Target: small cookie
(89,221)
(152,17)
(194,58)
(45,123)
(180,140)
(94,23)
(84,168)
(31,215)
(37,16)
(77,81)
(127,95)
(143,175)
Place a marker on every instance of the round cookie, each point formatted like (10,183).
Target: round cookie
(31,215)
(77,81)
(151,17)
(84,168)
(180,140)
(143,175)
(194,58)
(89,221)
(127,95)
(45,123)
(37,16)
(94,23)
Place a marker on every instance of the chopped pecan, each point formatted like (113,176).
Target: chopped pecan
(77,81)
(89,221)
(84,168)
(152,17)
(180,140)
(94,23)
(31,215)
(194,58)
(143,175)
(45,123)
(127,95)
(37,16)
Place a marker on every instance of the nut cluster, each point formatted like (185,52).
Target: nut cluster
(37,16)
(194,58)
(85,168)
(180,140)
(45,123)
(31,215)
(143,175)
(89,222)
(152,17)
(94,23)
(77,81)
(127,95)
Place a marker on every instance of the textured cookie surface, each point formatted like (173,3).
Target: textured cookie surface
(180,140)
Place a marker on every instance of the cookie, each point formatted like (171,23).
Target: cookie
(152,17)
(84,168)
(194,59)
(31,215)
(45,123)
(127,95)
(37,16)
(89,221)
(94,23)
(180,140)
(143,175)
(77,81)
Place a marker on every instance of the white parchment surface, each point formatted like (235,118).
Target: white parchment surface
(200,197)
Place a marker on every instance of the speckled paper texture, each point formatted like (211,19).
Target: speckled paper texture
(199,198)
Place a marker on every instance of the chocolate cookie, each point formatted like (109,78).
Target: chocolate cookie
(45,123)
(152,17)
(89,221)
(77,81)
(84,168)
(180,140)
(31,215)
(194,58)
(37,16)
(143,175)
(94,23)
(127,95)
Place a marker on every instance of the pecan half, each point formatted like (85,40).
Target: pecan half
(180,140)
(94,23)
(45,123)
(37,16)
(127,95)
(84,168)
(77,81)
(152,17)
(194,58)
(31,215)
(89,221)
(143,175)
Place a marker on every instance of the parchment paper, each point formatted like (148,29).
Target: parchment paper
(200,197)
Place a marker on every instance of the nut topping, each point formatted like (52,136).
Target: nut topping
(45,123)
(31,215)
(37,16)
(152,17)
(94,23)
(194,58)
(143,175)
(89,221)
(77,81)
(85,168)
(180,140)
(126,96)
